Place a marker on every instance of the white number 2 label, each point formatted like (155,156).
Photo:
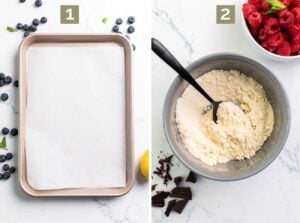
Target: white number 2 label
(225,14)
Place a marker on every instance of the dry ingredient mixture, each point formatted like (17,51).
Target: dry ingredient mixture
(245,118)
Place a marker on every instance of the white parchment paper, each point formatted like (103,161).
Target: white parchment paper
(75,118)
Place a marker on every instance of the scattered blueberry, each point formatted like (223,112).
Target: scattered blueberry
(4,131)
(131,29)
(14,132)
(119,21)
(115,28)
(6,175)
(16,83)
(12,169)
(22,1)
(19,26)
(32,28)
(38,3)
(131,20)
(1,176)
(7,80)
(2,83)
(133,47)
(5,167)
(2,76)
(4,96)
(9,156)
(27,33)
(25,27)
(36,22)
(2,158)
(44,20)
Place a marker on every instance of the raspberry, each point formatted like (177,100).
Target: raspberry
(264,5)
(267,47)
(262,35)
(284,49)
(296,12)
(254,31)
(271,25)
(255,19)
(248,9)
(295,47)
(296,38)
(286,18)
(294,29)
(295,3)
(275,40)
(286,2)
(285,37)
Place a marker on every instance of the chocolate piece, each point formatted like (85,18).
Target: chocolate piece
(153,187)
(163,170)
(180,205)
(171,204)
(177,180)
(191,177)
(182,192)
(158,200)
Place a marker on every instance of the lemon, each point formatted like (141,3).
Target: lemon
(145,164)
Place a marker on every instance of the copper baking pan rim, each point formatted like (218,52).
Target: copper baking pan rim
(46,38)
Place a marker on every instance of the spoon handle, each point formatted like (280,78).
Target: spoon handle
(160,50)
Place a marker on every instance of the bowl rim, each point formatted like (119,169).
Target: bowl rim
(270,54)
(193,66)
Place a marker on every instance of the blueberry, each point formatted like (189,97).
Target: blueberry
(115,28)
(32,28)
(2,158)
(16,83)
(25,27)
(27,33)
(6,175)
(19,26)
(38,3)
(9,156)
(133,47)
(22,1)
(4,97)
(7,80)
(131,20)
(5,167)
(36,22)
(1,176)
(2,76)
(12,169)
(4,131)
(14,132)
(119,21)
(131,29)
(2,83)
(44,19)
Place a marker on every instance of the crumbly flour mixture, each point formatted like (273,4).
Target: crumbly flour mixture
(245,118)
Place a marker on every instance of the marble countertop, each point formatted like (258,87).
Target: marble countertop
(15,205)
(189,30)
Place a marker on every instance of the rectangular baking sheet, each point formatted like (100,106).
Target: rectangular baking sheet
(52,41)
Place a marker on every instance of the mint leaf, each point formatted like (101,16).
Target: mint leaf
(3,143)
(11,29)
(276,5)
(104,20)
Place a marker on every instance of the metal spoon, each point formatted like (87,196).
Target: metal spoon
(160,50)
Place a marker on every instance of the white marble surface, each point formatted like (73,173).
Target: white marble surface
(15,205)
(188,29)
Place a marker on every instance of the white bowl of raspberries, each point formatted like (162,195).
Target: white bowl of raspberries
(273,26)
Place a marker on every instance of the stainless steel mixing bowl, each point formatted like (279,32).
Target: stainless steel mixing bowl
(233,170)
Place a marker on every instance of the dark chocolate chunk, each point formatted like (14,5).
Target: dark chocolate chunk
(182,192)
(158,200)
(180,205)
(177,180)
(171,204)
(163,170)
(153,187)
(191,177)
